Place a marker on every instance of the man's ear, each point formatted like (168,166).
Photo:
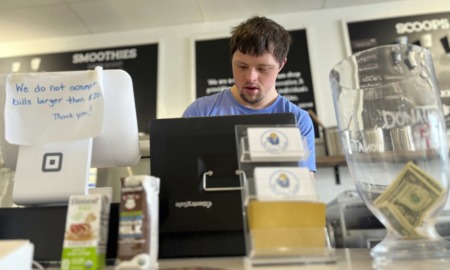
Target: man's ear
(282,64)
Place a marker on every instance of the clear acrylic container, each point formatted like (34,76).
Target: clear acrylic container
(285,222)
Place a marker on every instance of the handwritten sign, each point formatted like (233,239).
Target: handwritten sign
(50,107)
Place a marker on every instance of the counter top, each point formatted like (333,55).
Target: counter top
(346,259)
(358,259)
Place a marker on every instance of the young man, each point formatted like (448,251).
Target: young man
(259,47)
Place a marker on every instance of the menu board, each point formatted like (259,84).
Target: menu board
(214,73)
(140,62)
(431,31)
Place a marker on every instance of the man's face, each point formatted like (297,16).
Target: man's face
(255,77)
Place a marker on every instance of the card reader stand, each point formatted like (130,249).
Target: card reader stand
(284,227)
(50,173)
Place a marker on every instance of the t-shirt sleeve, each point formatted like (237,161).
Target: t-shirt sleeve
(307,130)
(205,106)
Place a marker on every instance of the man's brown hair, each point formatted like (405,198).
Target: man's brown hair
(259,35)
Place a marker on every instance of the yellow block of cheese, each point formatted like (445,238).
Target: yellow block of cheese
(287,224)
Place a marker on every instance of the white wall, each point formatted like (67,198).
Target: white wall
(326,42)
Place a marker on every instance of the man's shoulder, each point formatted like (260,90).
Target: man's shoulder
(288,106)
(203,106)
(211,100)
(302,116)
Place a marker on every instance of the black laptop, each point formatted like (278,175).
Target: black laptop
(195,222)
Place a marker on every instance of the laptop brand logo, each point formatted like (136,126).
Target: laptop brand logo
(187,204)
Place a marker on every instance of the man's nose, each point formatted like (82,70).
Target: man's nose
(251,75)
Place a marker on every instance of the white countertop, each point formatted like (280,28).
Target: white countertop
(358,259)
(346,259)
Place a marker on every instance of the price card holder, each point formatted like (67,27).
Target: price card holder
(285,221)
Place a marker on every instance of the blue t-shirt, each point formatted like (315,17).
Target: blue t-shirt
(223,103)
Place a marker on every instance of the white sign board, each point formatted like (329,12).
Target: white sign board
(53,107)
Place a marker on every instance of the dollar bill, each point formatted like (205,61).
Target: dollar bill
(409,199)
(431,181)
(400,226)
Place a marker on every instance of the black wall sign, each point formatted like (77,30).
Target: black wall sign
(431,31)
(214,73)
(213,66)
(139,61)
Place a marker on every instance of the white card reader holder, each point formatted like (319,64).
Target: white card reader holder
(50,173)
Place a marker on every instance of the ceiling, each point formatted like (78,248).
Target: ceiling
(22,20)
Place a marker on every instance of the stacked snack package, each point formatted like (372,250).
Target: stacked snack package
(138,225)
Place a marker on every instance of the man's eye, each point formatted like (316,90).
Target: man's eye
(263,69)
